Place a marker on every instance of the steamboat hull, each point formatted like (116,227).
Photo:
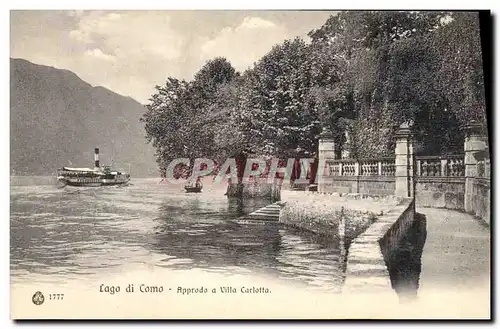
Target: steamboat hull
(78,184)
(92,182)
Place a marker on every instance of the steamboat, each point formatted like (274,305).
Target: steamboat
(98,176)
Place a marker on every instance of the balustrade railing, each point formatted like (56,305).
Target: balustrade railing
(388,167)
(368,168)
(362,167)
(333,168)
(440,166)
(349,168)
(426,166)
(455,166)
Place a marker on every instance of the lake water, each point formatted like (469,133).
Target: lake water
(63,234)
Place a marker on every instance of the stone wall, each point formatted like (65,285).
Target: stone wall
(377,185)
(373,261)
(383,237)
(480,198)
(436,192)
(256,188)
(369,185)
(321,213)
(440,192)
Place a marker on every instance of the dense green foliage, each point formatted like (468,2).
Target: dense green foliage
(363,73)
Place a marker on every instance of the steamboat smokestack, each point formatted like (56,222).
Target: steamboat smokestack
(96,159)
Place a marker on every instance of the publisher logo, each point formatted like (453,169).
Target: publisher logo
(38,298)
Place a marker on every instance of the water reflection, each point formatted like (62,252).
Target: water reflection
(405,260)
(71,233)
(305,257)
(206,234)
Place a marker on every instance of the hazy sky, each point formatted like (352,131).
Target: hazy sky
(130,52)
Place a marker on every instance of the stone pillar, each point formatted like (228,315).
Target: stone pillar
(345,153)
(326,151)
(475,143)
(405,185)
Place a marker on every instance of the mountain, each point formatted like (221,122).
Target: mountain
(57,119)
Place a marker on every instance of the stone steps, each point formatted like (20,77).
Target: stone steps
(268,213)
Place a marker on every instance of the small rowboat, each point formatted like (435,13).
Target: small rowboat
(193,189)
(194,186)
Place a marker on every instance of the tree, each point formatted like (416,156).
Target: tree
(350,30)
(283,112)
(164,119)
(180,120)
(364,73)
(460,74)
(391,75)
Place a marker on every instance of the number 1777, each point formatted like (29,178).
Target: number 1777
(56,296)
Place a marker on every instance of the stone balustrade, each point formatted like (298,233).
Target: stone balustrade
(371,176)
(442,181)
(362,167)
(440,166)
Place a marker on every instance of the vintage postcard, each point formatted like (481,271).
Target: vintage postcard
(237,164)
